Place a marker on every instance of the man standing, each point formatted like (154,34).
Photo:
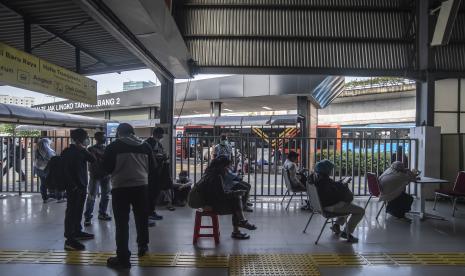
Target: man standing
(130,163)
(98,178)
(75,159)
(223,148)
(161,158)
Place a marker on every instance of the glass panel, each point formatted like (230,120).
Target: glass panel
(447,122)
(446,95)
(462,95)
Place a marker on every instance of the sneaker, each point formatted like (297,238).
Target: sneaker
(74,245)
(249,204)
(151,223)
(104,217)
(84,236)
(155,216)
(350,239)
(142,250)
(115,263)
(88,222)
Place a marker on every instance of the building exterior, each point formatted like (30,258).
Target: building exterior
(133,85)
(23,101)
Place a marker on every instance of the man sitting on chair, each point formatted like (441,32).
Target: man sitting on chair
(335,197)
(296,178)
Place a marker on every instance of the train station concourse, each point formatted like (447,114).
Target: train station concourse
(284,165)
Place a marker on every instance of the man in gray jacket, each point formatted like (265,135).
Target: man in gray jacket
(130,163)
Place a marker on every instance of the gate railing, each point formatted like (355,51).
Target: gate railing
(258,160)
(261,161)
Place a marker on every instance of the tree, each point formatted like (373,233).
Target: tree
(9,130)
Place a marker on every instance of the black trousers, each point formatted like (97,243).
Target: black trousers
(400,205)
(152,198)
(122,200)
(74,208)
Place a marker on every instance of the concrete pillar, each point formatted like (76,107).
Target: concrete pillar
(308,129)
(166,118)
(215,109)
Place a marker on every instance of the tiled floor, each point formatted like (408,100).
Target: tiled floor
(27,224)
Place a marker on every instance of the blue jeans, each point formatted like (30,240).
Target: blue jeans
(93,189)
(42,174)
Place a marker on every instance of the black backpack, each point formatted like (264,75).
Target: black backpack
(55,179)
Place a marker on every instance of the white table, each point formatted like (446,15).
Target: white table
(427,181)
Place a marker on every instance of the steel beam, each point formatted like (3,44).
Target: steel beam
(77,56)
(110,22)
(27,36)
(47,30)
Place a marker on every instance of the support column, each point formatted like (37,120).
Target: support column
(425,88)
(309,111)
(215,109)
(166,117)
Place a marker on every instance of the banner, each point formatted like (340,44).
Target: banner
(26,71)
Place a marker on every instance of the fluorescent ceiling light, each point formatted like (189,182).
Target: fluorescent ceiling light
(266,107)
(227,109)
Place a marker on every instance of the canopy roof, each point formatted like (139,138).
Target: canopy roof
(25,115)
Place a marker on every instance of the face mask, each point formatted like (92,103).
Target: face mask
(224,142)
(86,142)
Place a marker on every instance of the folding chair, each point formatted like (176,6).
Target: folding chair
(373,189)
(457,192)
(287,181)
(316,207)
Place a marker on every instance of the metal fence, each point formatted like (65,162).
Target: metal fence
(259,160)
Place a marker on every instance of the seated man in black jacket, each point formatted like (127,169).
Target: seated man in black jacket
(335,197)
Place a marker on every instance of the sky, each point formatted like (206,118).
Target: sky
(106,82)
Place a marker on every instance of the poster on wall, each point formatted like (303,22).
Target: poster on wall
(23,70)
(111,129)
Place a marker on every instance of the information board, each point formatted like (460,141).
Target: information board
(23,70)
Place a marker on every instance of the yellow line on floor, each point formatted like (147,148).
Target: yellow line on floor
(251,264)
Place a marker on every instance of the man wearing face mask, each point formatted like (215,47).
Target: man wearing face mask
(99,178)
(75,159)
(223,148)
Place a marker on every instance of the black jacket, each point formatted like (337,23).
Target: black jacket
(96,169)
(75,166)
(330,192)
(130,162)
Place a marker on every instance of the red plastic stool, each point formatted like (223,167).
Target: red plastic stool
(198,225)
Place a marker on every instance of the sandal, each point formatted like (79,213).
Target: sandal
(240,236)
(246,225)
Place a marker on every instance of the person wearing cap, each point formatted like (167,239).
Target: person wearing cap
(392,185)
(129,160)
(75,159)
(335,197)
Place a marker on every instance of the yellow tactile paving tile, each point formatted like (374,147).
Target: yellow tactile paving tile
(253,264)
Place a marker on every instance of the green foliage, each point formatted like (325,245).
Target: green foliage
(9,130)
(375,81)
(361,163)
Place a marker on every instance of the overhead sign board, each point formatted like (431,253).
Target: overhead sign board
(23,70)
